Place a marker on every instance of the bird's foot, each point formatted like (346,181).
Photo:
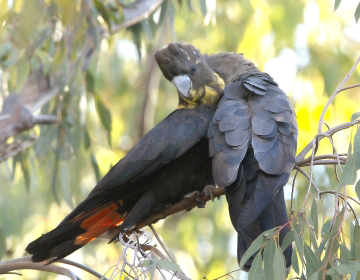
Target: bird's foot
(201,197)
(208,191)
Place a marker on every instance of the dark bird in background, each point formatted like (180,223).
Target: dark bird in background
(246,142)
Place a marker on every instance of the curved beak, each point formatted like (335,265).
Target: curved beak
(182,84)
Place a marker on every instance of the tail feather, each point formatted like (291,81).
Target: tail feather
(72,235)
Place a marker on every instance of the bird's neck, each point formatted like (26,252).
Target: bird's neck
(230,65)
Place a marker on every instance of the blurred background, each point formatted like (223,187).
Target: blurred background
(107,106)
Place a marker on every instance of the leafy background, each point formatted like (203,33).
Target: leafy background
(306,46)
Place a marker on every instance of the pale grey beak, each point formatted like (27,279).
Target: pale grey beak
(183,84)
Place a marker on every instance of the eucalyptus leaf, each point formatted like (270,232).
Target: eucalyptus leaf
(336,4)
(357,114)
(288,240)
(348,175)
(312,262)
(105,116)
(357,188)
(357,150)
(269,254)
(295,262)
(95,166)
(66,184)
(169,265)
(256,271)
(2,243)
(314,217)
(351,266)
(279,265)
(357,13)
(256,245)
(356,238)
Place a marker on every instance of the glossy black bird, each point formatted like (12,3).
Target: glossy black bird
(170,161)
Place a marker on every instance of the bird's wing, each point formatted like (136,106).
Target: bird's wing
(168,140)
(254,115)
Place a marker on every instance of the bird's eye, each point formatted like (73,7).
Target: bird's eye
(193,69)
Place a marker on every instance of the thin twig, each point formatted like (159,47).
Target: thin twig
(332,97)
(161,243)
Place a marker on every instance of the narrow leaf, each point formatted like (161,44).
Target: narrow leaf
(145,263)
(344,254)
(357,150)
(24,163)
(312,262)
(314,244)
(357,114)
(95,166)
(295,262)
(357,189)
(314,217)
(348,175)
(279,265)
(256,270)
(351,266)
(103,12)
(105,116)
(356,238)
(269,253)
(336,5)
(357,13)
(169,265)
(65,183)
(256,245)
(288,240)
(314,276)
(2,243)
(299,245)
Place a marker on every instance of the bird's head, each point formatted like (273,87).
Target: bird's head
(196,82)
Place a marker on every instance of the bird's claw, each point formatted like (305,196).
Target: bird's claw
(208,191)
(201,197)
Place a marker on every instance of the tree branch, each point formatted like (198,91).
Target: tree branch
(137,12)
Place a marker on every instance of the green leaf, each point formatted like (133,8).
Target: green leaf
(348,175)
(299,245)
(145,263)
(357,150)
(357,13)
(314,217)
(24,163)
(45,60)
(103,12)
(256,245)
(66,184)
(12,58)
(357,188)
(314,244)
(2,244)
(105,116)
(90,82)
(269,253)
(169,265)
(312,262)
(295,262)
(5,49)
(357,114)
(87,140)
(344,254)
(256,270)
(314,276)
(351,266)
(95,166)
(203,7)
(356,238)
(336,5)
(288,240)
(279,265)
(23,70)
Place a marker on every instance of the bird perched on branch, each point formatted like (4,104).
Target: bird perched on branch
(252,141)
(246,142)
(170,161)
